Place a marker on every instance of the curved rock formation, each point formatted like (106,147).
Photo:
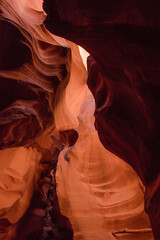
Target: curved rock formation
(97,191)
(122,39)
(35,68)
(46,109)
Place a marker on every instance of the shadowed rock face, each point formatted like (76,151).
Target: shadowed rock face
(122,38)
(32,65)
(36,70)
(22,103)
(46,109)
(12,46)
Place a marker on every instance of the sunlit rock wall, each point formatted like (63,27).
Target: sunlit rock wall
(97,191)
(122,38)
(37,70)
(47,109)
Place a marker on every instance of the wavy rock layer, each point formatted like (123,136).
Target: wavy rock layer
(122,38)
(35,70)
(43,109)
(97,191)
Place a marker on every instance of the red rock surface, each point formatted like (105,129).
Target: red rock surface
(46,109)
(122,38)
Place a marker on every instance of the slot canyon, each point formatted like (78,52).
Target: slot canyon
(79,119)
